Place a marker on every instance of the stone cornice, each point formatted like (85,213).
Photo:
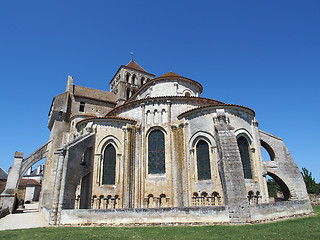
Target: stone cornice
(203,108)
(108,118)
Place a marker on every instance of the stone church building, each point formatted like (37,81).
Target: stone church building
(152,150)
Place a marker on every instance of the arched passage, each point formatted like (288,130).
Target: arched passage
(284,188)
(268,148)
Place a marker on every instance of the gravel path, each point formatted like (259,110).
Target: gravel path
(30,217)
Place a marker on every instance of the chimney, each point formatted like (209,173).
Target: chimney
(69,87)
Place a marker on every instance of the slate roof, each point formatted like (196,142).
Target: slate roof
(3,174)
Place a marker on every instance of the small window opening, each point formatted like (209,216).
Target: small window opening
(133,79)
(187,94)
(127,77)
(81,108)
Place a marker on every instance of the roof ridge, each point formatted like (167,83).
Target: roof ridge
(171,74)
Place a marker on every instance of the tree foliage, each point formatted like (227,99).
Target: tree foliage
(312,186)
(273,187)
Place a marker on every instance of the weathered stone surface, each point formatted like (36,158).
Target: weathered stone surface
(205,182)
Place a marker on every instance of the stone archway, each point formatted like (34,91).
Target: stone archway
(19,168)
(284,188)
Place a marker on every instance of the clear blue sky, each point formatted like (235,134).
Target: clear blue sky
(261,54)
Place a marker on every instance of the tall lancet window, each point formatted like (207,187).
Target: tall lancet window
(156,153)
(109,165)
(203,161)
(245,157)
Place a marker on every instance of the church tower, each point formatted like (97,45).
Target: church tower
(127,80)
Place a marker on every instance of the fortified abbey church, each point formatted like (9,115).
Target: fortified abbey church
(153,151)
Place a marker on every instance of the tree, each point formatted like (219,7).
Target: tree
(312,186)
(273,187)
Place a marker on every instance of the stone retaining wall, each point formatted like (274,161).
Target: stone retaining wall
(215,214)
(271,211)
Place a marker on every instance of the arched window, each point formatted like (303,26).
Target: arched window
(142,81)
(134,79)
(156,152)
(203,160)
(243,146)
(187,94)
(109,165)
(267,151)
(127,77)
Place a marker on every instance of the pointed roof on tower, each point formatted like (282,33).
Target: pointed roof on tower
(135,66)
(132,64)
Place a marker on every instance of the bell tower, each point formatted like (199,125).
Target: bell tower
(127,80)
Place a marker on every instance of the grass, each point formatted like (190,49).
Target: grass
(299,228)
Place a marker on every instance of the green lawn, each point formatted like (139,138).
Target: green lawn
(301,228)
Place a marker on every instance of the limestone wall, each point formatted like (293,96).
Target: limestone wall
(271,211)
(201,215)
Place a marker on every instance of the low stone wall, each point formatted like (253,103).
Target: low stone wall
(271,211)
(214,214)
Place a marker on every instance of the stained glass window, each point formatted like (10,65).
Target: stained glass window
(156,152)
(245,157)
(109,165)
(203,161)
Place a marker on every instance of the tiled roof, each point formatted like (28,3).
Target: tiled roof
(94,94)
(132,64)
(170,74)
(28,182)
(106,118)
(84,115)
(3,174)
